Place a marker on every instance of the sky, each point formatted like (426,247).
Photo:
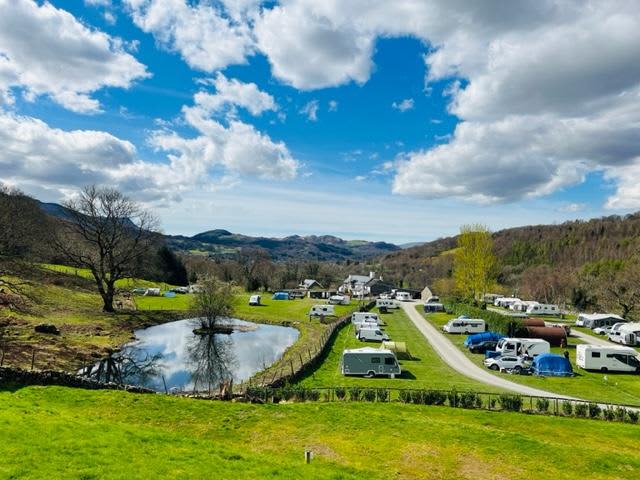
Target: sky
(368,119)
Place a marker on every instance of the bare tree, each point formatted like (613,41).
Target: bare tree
(249,260)
(107,233)
(213,302)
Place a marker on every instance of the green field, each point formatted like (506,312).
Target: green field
(616,388)
(424,370)
(53,432)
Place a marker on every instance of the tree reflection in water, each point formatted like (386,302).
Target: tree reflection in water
(212,362)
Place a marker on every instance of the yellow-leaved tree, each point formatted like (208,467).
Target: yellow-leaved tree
(473,261)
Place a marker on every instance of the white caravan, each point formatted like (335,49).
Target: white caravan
(522,305)
(626,334)
(362,317)
(543,309)
(322,310)
(608,359)
(529,347)
(593,320)
(370,362)
(339,300)
(465,325)
(372,335)
(505,302)
(254,300)
(387,303)
(403,296)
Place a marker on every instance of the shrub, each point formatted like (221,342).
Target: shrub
(312,395)
(405,396)
(542,405)
(567,408)
(492,403)
(621,414)
(300,394)
(369,395)
(581,410)
(326,396)
(433,397)
(382,394)
(469,400)
(354,394)
(453,397)
(287,393)
(341,392)
(632,415)
(594,410)
(512,403)
(609,414)
(418,397)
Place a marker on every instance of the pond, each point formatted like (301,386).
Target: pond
(172,357)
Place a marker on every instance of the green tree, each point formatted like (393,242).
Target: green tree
(473,261)
(212,302)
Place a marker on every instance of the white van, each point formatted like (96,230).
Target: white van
(372,335)
(386,302)
(608,359)
(543,309)
(465,325)
(254,300)
(403,296)
(529,347)
(370,362)
(322,310)
(626,334)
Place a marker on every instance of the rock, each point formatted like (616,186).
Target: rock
(47,328)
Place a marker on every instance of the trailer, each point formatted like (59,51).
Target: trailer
(322,310)
(465,325)
(403,296)
(594,320)
(608,358)
(370,362)
(254,300)
(387,303)
(543,309)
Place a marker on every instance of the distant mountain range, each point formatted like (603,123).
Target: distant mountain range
(224,243)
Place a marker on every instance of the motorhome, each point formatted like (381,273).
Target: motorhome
(387,303)
(361,317)
(370,362)
(339,300)
(254,300)
(465,325)
(529,347)
(322,310)
(403,296)
(607,358)
(543,309)
(626,334)
(593,320)
(372,335)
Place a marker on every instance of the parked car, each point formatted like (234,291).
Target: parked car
(506,362)
(482,347)
(603,330)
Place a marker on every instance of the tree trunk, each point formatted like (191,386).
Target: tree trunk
(107,298)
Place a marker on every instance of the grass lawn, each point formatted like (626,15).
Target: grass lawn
(617,388)
(425,370)
(55,432)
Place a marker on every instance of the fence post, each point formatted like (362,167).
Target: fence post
(33,357)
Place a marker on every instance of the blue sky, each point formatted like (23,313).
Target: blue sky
(377,120)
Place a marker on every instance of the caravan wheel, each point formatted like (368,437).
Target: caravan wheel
(370,374)
(604,369)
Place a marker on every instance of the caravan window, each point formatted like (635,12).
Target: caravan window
(375,359)
(595,354)
(389,361)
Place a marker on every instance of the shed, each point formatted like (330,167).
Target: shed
(280,296)
(399,348)
(482,337)
(551,365)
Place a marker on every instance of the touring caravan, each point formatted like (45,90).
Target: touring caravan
(322,310)
(372,335)
(626,334)
(465,325)
(594,320)
(543,309)
(254,300)
(387,303)
(433,304)
(370,362)
(403,296)
(529,347)
(522,305)
(505,302)
(339,300)
(361,317)
(608,358)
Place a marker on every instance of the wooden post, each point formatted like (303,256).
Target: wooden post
(307,456)
(33,357)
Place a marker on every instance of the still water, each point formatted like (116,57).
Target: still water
(175,358)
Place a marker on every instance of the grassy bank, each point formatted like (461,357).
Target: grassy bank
(618,388)
(65,433)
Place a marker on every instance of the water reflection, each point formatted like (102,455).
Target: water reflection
(178,359)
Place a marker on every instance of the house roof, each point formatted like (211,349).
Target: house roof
(358,279)
(309,282)
(599,316)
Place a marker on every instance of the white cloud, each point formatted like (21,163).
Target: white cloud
(360,178)
(206,39)
(98,3)
(310,110)
(572,207)
(333,105)
(404,105)
(47,51)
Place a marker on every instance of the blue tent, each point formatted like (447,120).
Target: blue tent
(170,294)
(482,337)
(280,296)
(551,365)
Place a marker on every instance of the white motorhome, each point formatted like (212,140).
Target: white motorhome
(339,300)
(322,310)
(254,300)
(608,358)
(614,334)
(529,347)
(387,303)
(403,296)
(626,334)
(543,309)
(372,335)
(361,317)
(370,362)
(465,325)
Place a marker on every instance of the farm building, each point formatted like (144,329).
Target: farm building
(310,284)
(377,286)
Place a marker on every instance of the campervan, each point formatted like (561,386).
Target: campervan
(543,309)
(614,334)
(361,317)
(593,320)
(529,347)
(339,300)
(465,325)
(403,296)
(322,310)
(370,362)
(372,335)
(608,359)
(387,303)
(254,300)
(626,334)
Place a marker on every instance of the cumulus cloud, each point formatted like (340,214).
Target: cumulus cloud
(310,110)
(47,51)
(333,105)
(404,105)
